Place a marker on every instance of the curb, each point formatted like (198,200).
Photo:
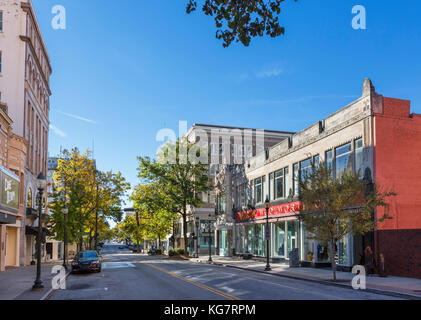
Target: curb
(50,292)
(371,290)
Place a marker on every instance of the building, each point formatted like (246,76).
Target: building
(12,160)
(375,135)
(227,146)
(24,87)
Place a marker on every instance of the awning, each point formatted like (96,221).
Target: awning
(33,231)
(7,218)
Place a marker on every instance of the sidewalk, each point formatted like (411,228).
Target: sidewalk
(16,283)
(395,286)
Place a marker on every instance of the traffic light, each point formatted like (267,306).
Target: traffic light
(137,219)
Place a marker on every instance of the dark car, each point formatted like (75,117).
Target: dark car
(87,261)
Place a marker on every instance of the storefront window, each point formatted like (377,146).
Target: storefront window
(250,232)
(258,240)
(343,160)
(279,184)
(343,256)
(292,239)
(279,239)
(323,252)
(359,157)
(307,251)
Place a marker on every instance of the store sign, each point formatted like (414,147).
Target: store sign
(9,191)
(274,212)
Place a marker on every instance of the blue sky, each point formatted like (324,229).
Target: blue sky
(123,70)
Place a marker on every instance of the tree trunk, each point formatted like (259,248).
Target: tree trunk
(137,249)
(332,258)
(185,232)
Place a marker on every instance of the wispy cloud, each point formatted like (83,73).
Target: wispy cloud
(74,116)
(269,72)
(57,131)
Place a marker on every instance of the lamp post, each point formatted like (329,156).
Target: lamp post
(210,237)
(267,207)
(65,212)
(41,184)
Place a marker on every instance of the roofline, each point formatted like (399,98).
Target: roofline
(241,128)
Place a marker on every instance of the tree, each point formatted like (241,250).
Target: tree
(179,175)
(155,209)
(334,208)
(242,20)
(130,230)
(86,191)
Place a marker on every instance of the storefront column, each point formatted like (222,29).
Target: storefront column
(2,247)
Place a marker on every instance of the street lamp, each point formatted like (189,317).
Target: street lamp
(267,207)
(210,237)
(41,184)
(65,212)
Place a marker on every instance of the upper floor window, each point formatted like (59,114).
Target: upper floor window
(343,161)
(306,168)
(258,190)
(1,21)
(359,157)
(329,159)
(279,184)
(296,176)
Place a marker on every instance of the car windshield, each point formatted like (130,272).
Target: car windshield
(88,255)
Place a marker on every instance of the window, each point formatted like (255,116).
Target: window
(359,157)
(279,184)
(343,160)
(271,187)
(29,198)
(329,159)
(258,188)
(296,176)
(287,187)
(265,191)
(306,168)
(316,160)
(1,21)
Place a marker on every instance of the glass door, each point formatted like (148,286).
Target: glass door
(279,240)
(292,239)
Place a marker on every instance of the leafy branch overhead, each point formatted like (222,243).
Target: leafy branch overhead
(242,20)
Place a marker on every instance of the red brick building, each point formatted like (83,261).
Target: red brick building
(397,166)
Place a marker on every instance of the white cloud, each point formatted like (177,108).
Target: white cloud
(57,131)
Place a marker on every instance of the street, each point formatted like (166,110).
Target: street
(127,276)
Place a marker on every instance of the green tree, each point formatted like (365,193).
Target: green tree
(155,209)
(180,175)
(242,20)
(86,191)
(334,208)
(130,230)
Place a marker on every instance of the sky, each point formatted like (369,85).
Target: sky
(124,70)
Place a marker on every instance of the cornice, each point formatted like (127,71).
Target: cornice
(27,7)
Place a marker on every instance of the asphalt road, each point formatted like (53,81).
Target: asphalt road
(127,276)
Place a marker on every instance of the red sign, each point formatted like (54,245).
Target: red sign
(274,212)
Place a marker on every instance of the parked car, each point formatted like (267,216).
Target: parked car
(87,261)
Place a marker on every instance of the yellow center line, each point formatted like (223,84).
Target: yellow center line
(200,285)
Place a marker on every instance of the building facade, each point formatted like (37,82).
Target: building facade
(226,146)
(24,87)
(373,135)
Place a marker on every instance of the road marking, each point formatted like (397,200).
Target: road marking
(200,285)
